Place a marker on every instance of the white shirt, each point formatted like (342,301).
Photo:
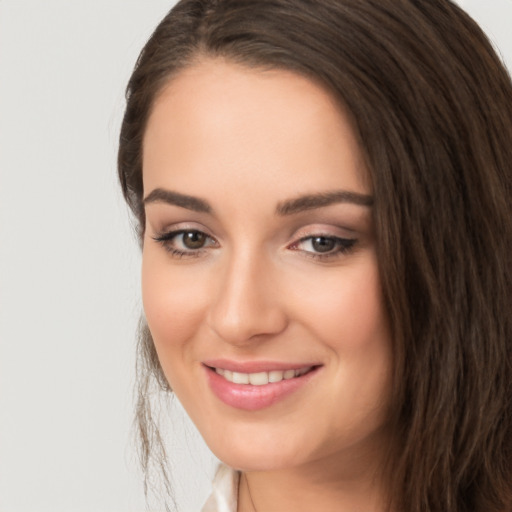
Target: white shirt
(224,496)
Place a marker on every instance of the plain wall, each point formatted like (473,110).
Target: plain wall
(69,265)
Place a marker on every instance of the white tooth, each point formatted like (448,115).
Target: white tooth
(258,379)
(240,378)
(228,375)
(220,371)
(275,376)
(289,374)
(301,371)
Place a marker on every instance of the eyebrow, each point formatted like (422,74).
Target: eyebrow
(160,195)
(321,200)
(288,207)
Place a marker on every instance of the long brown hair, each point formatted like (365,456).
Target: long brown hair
(432,106)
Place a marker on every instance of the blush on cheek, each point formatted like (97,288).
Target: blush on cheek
(350,312)
(170,321)
(173,309)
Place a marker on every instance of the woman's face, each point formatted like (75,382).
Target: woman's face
(260,279)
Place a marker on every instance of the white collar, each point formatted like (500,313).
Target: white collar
(224,496)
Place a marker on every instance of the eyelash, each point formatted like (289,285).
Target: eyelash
(342,246)
(167,240)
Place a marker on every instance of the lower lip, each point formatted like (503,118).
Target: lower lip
(254,398)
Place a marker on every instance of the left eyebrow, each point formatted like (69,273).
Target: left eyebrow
(321,200)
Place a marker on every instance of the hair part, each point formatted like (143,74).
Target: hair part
(431,105)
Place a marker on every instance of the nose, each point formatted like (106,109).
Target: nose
(247,304)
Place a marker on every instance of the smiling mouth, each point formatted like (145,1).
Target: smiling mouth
(261,385)
(262,378)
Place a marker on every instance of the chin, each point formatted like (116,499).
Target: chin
(258,448)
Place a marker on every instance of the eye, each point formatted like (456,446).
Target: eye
(323,246)
(193,239)
(185,242)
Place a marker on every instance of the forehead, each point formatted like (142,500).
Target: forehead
(218,123)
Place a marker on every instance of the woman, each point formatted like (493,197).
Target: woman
(322,191)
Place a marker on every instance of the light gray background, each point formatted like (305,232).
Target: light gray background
(69,267)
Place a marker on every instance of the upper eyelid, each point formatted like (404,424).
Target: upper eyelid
(170,234)
(299,235)
(307,235)
(349,234)
(167,241)
(325,229)
(181,227)
(351,240)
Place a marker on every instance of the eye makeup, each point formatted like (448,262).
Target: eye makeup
(181,243)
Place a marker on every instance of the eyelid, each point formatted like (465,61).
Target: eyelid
(343,244)
(327,230)
(166,238)
(173,233)
(181,226)
(169,239)
(338,239)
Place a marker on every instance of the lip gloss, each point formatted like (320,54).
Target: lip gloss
(253,397)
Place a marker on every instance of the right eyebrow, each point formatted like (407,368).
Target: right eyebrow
(161,195)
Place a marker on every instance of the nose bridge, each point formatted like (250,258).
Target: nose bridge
(246,304)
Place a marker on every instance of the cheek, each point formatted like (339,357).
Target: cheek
(347,310)
(172,305)
(350,319)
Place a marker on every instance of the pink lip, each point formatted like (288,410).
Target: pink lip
(252,398)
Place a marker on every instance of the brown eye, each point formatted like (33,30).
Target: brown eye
(324,247)
(184,243)
(194,239)
(323,244)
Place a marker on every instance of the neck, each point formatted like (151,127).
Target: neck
(284,493)
(319,486)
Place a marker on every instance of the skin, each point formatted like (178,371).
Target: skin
(245,141)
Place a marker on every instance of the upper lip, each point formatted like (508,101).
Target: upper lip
(256,366)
